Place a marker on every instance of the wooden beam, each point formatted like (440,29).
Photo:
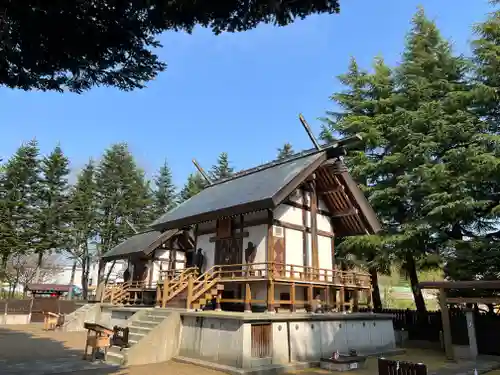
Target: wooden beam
(335,189)
(484,300)
(301,228)
(305,257)
(270,242)
(292,297)
(350,212)
(235,235)
(445,316)
(305,207)
(314,226)
(270,296)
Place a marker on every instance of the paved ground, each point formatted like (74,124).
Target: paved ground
(28,350)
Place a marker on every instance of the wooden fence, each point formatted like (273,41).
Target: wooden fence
(427,326)
(390,367)
(36,307)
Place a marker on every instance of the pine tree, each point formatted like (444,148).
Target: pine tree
(83,213)
(165,192)
(222,169)
(123,195)
(285,151)
(53,204)
(193,186)
(20,187)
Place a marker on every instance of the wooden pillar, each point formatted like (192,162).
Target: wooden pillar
(342,299)
(189,294)
(310,297)
(270,296)
(217,301)
(355,300)
(150,276)
(327,304)
(292,297)
(314,227)
(445,316)
(248,298)
(270,245)
(369,302)
(305,255)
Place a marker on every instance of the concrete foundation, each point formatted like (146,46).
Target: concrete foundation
(15,319)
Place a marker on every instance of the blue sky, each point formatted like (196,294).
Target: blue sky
(238,93)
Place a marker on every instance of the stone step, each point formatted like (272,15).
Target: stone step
(135,337)
(158,312)
(145,323)
(156,318)
(116,358)
(137,329)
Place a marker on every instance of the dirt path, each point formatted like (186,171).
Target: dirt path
(28,350)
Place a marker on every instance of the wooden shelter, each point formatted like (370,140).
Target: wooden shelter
(444,287)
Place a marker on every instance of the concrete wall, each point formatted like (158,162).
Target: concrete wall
(213,340)
(160,345)
(7,319)
(110,316)
(307,341)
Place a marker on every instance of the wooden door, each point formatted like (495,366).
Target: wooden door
(228,252)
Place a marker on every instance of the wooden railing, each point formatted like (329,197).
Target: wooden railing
(172,283)
(281,271)
(116,293)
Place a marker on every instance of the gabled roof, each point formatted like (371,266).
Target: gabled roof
(265,187)
(140,244)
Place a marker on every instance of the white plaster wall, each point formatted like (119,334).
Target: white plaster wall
(305,341)
(288,214)
(325,255)
(322,205)
(258,236)
(203,242)
(294,251)
(323,223)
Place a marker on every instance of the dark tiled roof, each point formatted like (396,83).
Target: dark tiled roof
(49,287)
(143,243)
(254,189)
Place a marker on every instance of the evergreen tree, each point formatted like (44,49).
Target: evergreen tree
(53,204)
(123,196)
(222,169)
(193,186)
(165,192)
(364,103)
(83,214)
(20,187)
(285,151)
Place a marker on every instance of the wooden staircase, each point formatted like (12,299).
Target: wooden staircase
(116,294)
(189,290)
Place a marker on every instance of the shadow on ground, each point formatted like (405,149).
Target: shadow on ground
(29,350)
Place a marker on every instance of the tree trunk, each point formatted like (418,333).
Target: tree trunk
(72,280)
(411,268)
(39,263)
(376,298)
(100,279)
(85,278)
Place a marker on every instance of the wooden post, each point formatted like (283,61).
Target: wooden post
(217,301)
(270,296)
(165,293)
(369,302)
(189,294)
(327,306)
(292,297)
(342,299)
(158,295)
(248,298)
(310,297)
(355,300)
(305,254)
(314,229)
(445,316)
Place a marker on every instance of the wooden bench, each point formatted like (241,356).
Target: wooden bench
(391,367)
